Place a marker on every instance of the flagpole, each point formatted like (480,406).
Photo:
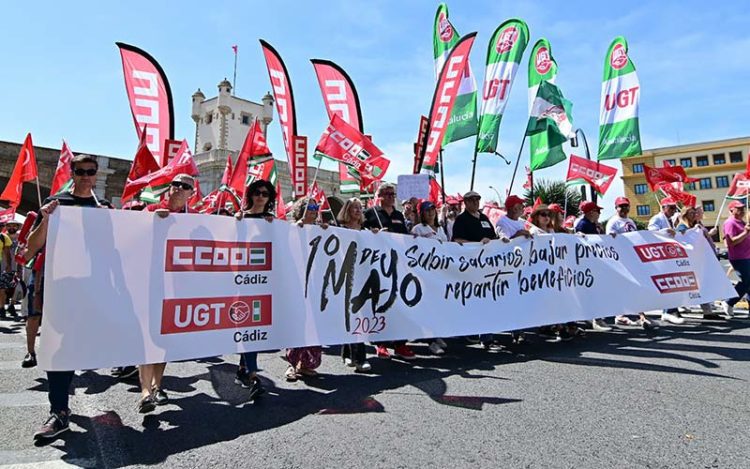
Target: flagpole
(721,209)
(442,175)
(515,169)
(38,192)
(234,76)
(473,168)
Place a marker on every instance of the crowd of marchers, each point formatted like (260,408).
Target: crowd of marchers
(459,220)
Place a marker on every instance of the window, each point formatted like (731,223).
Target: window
(638,168)
(686,162)
(719,158)
(735,157)
(690,186)
(701,160)
(640,188)
(722,181)
(245,118)
(708,206)
(209,118)
(670,162)
(705,183)
(643,210)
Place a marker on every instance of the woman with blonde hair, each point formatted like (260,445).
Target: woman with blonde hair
(541,220)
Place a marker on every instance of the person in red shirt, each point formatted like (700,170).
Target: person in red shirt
(176,201)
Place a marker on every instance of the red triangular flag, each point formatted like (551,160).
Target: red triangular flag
(144,163)
(24,171)
(280,207)
(182,163)
(63,174)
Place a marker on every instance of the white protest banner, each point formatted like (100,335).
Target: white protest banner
(413,185)
(126,287)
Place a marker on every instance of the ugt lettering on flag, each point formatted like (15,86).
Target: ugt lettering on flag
(344,143)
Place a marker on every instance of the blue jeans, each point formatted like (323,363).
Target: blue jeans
(742,268)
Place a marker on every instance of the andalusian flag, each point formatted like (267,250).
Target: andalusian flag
(550,118)
(619,135)
(503,57)
(463,120)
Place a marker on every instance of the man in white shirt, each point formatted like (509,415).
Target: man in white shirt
(511,226)
(662,222)
(620,223)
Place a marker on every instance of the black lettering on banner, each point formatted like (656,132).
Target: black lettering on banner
(585,251)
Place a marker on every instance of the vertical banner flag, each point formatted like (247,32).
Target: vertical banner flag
(299,166)
(63,178)
(549,116)
(424,122)
(444,98)
(282,93)
(340,97)
(25,170)
(504,54)
(583,171)
(542,67)
(463,118)
(149,95)
(619,134)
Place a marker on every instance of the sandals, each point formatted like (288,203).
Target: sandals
(291,374)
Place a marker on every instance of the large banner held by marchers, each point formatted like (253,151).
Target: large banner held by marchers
(124,288)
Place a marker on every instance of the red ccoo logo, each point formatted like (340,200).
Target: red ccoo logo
(187,255)
(507,40)
(619,57)
(445,29)
(675,282)
(660,251)
(543,62)
(206,314)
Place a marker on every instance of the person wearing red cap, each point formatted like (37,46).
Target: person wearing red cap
(511,226)
(663,221)
(558,218)
(620,223)
(737,239)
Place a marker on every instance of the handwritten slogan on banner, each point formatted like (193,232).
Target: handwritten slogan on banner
(129,288)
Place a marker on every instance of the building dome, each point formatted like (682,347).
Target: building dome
(199,94)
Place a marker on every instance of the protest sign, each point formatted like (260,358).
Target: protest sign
(413,185)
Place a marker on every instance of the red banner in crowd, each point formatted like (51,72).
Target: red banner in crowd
(344,143)
(444,98)
(657,176)
(318,194)
(183,163)
(226,192)
(299,166)
(599,176)
(63,173)
(684,198)
(149,95)
(282,92)
(25,170)
(424,123)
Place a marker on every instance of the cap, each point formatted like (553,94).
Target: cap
(621,201)
(184,177)
(471,194)
(426,205)
(667,201)
(512,201)
(736,204)
(555,208)
(587,207)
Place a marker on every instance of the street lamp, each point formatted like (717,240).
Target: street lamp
(574,144)
(496,192)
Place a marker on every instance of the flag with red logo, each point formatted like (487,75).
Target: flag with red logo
(681,197)
(182,163)
(196,200)
(444,99)
(424,122)
(670,174)
(62,180)
(25,170)
(143,164)
(344,143)
(740,186)
(435,193)
(319,196)
(149,95)
(7,215)
(254,151)
(583,171)
(282,92)
(226,192)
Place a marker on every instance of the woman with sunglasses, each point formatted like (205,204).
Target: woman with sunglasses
(352,217)
(541,220)
(258,202)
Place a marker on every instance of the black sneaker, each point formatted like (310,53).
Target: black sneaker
(128,372)
(12,311)
(160,397)
(256,389)
(29,361)
(564,335)
(146,405)
(243,379)
(116,371)
(53,426)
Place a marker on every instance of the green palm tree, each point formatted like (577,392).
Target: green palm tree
(555,192)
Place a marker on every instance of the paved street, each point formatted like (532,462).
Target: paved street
(674,397)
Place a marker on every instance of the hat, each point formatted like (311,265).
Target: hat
(667,201)
(471,194)
(736,204)
(426,205)
(621,201)
(513,200)
(587,207)
(556,208)
(539,208)
(185,178)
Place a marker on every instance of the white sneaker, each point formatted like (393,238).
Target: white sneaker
(441,343)
(728,309)
(599,325)
(672,318)
(436,349)
(348,362)
(364,366)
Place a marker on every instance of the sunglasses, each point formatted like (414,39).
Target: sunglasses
(258,193)
(182,185)
(544,214)
(84,172)
(312,207)
(624,206)
(388,194)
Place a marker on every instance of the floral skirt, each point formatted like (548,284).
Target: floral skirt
(306,357)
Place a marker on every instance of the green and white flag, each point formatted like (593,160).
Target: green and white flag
(463,120)
(619,135)
(504,54)
(542,67)
(549,117)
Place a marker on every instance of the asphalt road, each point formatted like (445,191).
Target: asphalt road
(674,397)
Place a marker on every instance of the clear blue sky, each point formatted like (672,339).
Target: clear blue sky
(62,76)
